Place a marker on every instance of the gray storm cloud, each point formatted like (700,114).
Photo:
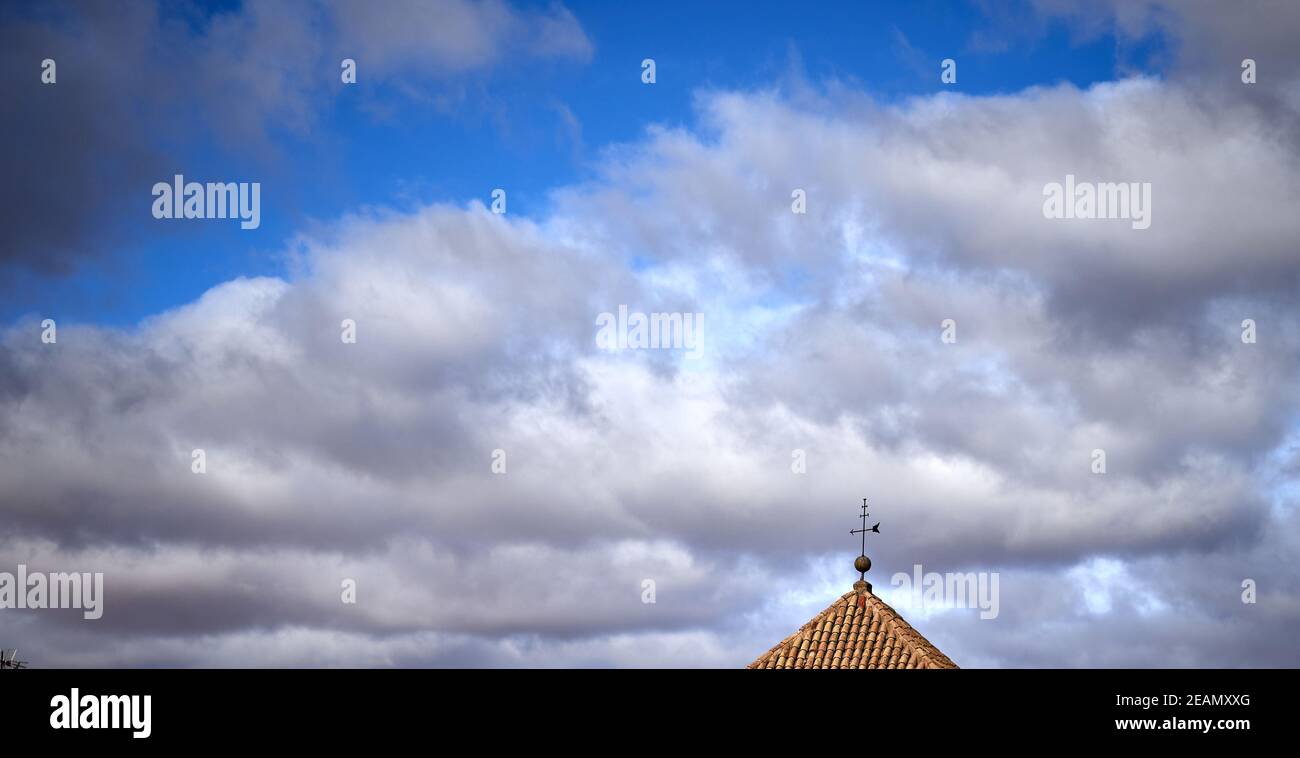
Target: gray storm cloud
(476,332)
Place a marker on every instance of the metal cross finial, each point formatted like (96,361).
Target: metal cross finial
(863,563)
(863,531)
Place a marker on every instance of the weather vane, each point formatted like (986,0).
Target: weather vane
(863,563)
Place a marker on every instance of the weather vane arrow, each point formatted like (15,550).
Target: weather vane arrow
(863,531)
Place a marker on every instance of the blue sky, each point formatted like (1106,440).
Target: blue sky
(534,125)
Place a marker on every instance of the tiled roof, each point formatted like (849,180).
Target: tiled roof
(858,631)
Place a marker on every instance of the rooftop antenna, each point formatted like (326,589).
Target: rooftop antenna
(11,662)
(862,563)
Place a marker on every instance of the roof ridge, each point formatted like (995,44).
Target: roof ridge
(801,629)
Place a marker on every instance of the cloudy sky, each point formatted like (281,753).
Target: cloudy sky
(476,331)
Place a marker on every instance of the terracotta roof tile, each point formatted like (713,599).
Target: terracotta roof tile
(858,631)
